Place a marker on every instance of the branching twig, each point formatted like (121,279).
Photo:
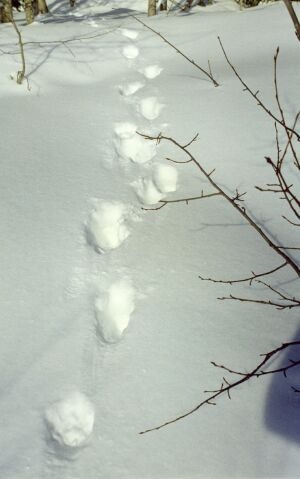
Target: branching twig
(207,74)
(227,386)
(248,279)
(235,204)
(255,94)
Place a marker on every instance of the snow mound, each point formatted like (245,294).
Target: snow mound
(71,420)
(106,228)
(152,71)
(113,310)
(147,192)
(131,88)
(131,146)
(165,178)
(150,107)
(132,34)
(130,51)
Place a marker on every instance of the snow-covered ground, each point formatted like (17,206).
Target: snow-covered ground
(106,328)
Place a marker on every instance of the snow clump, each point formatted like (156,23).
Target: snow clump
(150,108)
(165,178)
(147,192)
(152,71)
(71,420)
(113,310)
(131,146)
(106,228)
(131,88)
(130,52)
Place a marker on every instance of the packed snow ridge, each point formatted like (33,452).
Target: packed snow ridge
(106,228)
(71,420)
(113,309)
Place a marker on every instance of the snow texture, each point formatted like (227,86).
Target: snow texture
(131,146)
(106,228)
(71,420)
(113,310)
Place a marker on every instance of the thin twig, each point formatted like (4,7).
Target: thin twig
(245,280)
(181,200)
(235,204)
(209,75)
(226,387)
(255,94)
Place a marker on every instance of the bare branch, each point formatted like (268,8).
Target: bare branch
(226,387)
(255,95)
(235,204)
(245,280)
(207,74)
(181,200)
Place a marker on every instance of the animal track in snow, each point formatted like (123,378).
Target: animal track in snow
(130,88)
(165,178)
(71,420)
(154,188)
(150,107)
(113,310)
(146,191)
(131,146)
(152,71)
(132,34)
(130,51)
(106,228)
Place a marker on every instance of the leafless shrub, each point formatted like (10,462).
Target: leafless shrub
(281,187)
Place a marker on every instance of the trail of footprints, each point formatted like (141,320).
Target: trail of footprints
(70,421)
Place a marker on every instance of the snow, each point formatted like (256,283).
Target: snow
(131,146)
(130,51)
(150,107)
(165,178)
(71,420)
(106,228)
(113,310)
(98,347)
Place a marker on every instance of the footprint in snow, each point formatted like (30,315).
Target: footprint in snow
(106,227)
(132,34)
(70,421)
(152,189)
(151,71)
(130,52)
(113,310)
(150,107)
(130,88)
(131,146)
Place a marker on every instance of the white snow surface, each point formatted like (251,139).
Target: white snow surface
(75,179)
